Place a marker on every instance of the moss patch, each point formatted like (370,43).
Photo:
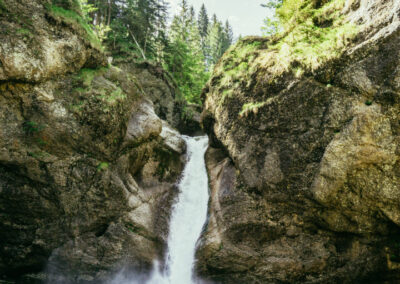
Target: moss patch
(251,107)
(77,22)
(102,166)
(2,6)
(86,76)
(312,35)
(114,96)
(23,31)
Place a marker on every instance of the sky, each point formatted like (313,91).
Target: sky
(246,16)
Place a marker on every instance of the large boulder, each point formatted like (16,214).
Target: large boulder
(304,168)
(40,40)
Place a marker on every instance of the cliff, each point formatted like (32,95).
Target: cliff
(88,153)
(304,158)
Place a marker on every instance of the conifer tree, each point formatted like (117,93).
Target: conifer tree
(185,59)
(228,36)
(215,41)
(203,22)
(203,26)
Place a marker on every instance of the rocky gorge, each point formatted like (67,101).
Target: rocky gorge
(303,161)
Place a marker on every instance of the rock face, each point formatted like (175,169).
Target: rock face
(160,89)
(304,160)
(87,167)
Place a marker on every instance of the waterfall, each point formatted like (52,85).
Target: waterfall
(189,214)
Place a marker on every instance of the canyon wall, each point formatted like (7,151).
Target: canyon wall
(89,156)
(304,157)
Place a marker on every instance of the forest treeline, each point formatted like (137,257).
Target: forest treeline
(187,44)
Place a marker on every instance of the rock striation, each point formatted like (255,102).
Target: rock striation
(304,158)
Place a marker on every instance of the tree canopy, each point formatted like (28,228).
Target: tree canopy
(188,46)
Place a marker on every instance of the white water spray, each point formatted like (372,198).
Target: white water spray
(188,217)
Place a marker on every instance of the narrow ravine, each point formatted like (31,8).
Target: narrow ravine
(188,217)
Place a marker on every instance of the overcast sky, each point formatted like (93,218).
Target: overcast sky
(245,16)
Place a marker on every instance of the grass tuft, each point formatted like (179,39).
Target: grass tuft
(102,166)
(76,20)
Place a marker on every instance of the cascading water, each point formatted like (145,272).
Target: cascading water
(188,217)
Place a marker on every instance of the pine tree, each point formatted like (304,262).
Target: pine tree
(215,41)
(227,36)
(203,26)
(138,26)
(272,25)
(203,22)
(185,59)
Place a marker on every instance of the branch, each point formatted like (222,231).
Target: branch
(140,49)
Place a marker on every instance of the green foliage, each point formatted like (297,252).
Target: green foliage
(138,27)
(102,166)
(188,49)
(272,24)
(203,23)
(76,20)
(184,57)
(115,96)
(23,31)
(38,154)
(86,75)
(251,107)
(31,127)
(308,32)
(2,6)
(195,45)
(237,66)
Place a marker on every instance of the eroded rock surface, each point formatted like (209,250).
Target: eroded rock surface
(87,167)
(305,164)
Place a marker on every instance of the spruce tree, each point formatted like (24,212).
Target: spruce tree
(228,35)
(215,41)
(185,59)
(203,22)
(203,26)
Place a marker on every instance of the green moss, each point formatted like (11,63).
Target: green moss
(38,154)
(77,21)
(312,46)
(2,6)
(312,36)
(80,90)
(31,127)
(23,31)
(86,75)
(102,166)
(115,96)
(77,107)
(74,5)
(226,94)
(251,107)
